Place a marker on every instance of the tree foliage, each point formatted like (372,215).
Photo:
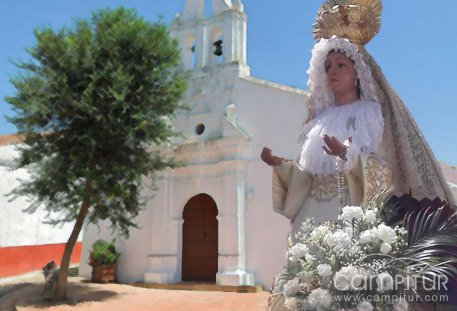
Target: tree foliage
(89,102)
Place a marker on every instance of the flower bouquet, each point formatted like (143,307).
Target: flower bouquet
(360,263)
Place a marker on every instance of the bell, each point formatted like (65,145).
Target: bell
(218,45)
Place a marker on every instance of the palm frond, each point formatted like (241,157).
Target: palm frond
(431,224)
(431,251)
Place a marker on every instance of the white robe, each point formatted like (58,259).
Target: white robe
(309,188)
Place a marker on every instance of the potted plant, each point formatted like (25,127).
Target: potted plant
(103,259)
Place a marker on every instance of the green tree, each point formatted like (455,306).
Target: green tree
(89,103)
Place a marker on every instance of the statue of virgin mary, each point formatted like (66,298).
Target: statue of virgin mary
(384,148)
(352,151)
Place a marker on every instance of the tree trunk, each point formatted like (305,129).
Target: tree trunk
(60,291)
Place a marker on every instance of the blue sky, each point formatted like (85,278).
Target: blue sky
(416,49)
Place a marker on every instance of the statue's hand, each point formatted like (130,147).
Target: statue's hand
(334,147)
(270,159)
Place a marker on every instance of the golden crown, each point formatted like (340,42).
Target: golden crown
(356,20)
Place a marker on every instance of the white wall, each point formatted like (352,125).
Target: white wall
(18,228)
(134,251)
(272,115)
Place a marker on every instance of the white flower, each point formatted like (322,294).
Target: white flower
(347,278)
(352,212)
(318,233)
(364,306)
(401,305)
(320,298)
(305,276)
(385,282)
(349,231)
(291,303)
(368,236)
(310,258)
(386,233)
(278,288)
(339,240)
(297,251)
(324,270)
(370,216)
(291,288)
(355,250)
(385,248)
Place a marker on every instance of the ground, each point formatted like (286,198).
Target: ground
(25,294)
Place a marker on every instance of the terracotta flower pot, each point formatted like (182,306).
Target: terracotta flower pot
(104,274)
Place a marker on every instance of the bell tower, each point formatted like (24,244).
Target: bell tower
(216,40)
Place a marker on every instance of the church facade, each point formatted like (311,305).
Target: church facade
(212,218)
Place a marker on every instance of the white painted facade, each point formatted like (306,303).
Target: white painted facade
(18,228)
(240,114)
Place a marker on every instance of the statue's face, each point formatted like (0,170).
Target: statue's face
(341,74)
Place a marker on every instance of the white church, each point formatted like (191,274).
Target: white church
(212,218)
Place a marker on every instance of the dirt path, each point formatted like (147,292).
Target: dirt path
(111,297)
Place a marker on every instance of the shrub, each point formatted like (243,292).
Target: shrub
(103,253)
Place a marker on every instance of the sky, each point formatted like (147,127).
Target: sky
(416,49)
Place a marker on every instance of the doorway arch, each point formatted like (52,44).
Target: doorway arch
(200,239)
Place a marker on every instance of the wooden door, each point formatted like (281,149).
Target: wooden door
(200,240)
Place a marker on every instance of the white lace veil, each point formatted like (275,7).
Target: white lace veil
(320,96)
(327,118)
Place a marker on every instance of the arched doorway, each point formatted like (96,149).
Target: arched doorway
(200,239)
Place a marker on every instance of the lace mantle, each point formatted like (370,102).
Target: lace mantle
(361,120)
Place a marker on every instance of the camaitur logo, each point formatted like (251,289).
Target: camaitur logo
(385,282)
